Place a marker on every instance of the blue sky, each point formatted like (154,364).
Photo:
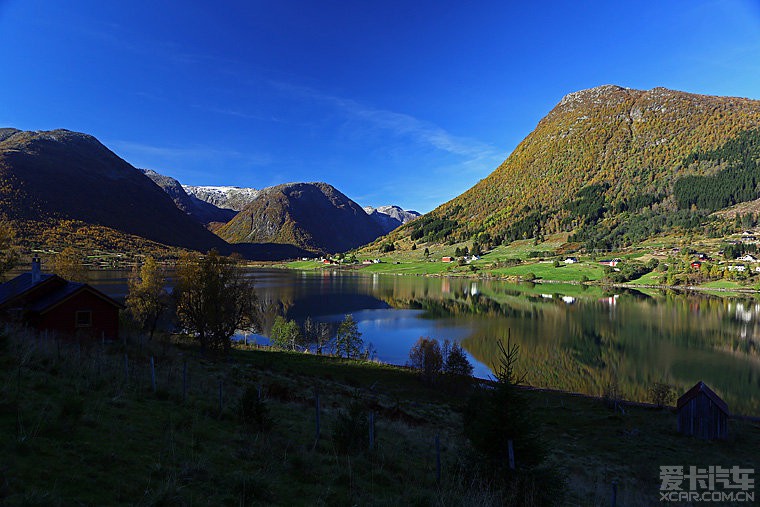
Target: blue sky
(393,102)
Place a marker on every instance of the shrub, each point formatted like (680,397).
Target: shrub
(252,411)
(350,433)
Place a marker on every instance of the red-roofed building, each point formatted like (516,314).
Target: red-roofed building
(47,302)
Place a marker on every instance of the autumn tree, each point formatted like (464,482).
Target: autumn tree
(8,253)
(147,299)
(215,299)
(348,341)
(69,264)
(426,357)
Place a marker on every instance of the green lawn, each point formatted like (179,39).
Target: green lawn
(547,271)
(651,278)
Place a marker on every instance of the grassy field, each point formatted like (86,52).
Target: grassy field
(82,426)
(547,271)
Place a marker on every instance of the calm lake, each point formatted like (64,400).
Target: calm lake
(570,337)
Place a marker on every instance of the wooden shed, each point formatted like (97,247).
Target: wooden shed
(702,413)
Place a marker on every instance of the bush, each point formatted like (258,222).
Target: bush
(252,411)
(350,433)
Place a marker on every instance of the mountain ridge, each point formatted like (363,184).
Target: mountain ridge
(314,216)
(627,142)
(200,210)
(60,175)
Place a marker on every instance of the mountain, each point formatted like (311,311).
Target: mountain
(313,216)
(202,211)
(604,163)
(54,177)
(390,217)
(234,198)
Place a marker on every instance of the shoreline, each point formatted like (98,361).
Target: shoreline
(516,279)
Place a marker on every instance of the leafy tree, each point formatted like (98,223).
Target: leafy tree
(214,299)
(387,247)
(427,252)
(662,394)
(455,360)
(69,264)
(348,342)
(285,334)
(426,357)
(147,299)
(414,246)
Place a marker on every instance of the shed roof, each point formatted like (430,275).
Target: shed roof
(701,387)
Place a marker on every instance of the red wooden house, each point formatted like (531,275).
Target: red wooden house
(48,302)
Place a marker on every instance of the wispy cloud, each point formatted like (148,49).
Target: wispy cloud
(142,152)
(400,124)
(237,113)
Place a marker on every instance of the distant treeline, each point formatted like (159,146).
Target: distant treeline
(737,183)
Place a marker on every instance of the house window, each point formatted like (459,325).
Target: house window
(83,318)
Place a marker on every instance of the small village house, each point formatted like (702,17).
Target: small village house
(702,413)
(447,259)
(571,260)
(47,302)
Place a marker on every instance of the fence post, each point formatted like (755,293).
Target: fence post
(371,429)
(153,374)
(511,449)
(437,458)
(613,501)
(220,398)
(184,382)
(316,407)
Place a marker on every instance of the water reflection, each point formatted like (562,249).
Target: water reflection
(575,338)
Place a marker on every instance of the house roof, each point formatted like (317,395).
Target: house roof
(701,387)
(23,284)
(19,285)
